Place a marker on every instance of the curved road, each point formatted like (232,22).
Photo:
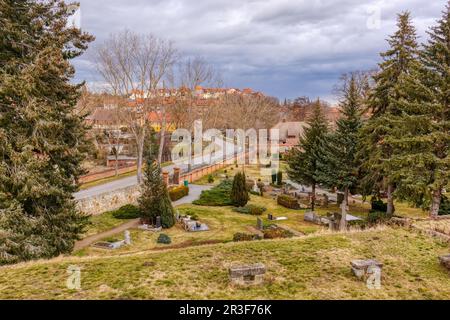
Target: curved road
(131,181)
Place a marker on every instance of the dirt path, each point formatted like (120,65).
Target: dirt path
(96,237)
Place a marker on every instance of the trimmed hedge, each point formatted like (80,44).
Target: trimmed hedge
(275,233)
(177,193)
(251,209)
(288,202)
(128,211)
(245,237)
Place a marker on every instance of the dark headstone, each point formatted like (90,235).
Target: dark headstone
(270,216)
(340,198)
(158,222)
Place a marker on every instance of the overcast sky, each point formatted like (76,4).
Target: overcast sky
(285,48)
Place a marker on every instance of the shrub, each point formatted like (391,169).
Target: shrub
(275,233)
(376,217)
(378,205)
(210,178)
(177,193)
(217,196)
(288,202)
(128,211)
(251,209)
(245,237)
(239,193)
(444,208)
(164,239)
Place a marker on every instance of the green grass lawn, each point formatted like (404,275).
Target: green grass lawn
(314,267)
(102,222)
(222,221)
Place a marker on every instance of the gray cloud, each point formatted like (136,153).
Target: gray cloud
(285,48)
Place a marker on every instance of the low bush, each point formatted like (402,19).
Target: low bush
(128,211)
(251,209)
(275,233)
(164,239)
(288,202)
(375,217)
(245,237)
(210,178)
(177,193)
(218,196)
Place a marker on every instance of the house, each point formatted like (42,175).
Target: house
(289,133)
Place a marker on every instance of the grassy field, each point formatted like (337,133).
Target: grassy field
(222,221)
(314,267)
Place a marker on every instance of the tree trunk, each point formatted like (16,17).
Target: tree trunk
(117,162)
(140,152)
(161,139)
(313,197)
(390,200)
(435,203)
(343,223)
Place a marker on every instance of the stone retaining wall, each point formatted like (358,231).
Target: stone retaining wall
(109,201)
(115,199)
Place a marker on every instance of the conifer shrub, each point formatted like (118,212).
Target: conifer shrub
(239,192)
(217,196)
(128,211)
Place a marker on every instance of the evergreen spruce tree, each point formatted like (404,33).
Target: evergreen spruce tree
(384,102)
(154,200)
(239,193)
(420,139)
(338,164)
(303,159)
(42,139)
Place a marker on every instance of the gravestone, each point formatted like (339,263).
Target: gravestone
(158,222)
(259,224)
(325,200)
(247,274)
(340,198)
(127,237)
(270,216)
(363,268)
(445,261)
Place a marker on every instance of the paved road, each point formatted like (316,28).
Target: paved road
(131,181)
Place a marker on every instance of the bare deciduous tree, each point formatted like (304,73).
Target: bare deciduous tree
(134,66)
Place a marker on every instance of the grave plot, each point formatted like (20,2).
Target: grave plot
(113,244)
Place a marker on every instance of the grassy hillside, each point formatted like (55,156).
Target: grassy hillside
(314,267)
